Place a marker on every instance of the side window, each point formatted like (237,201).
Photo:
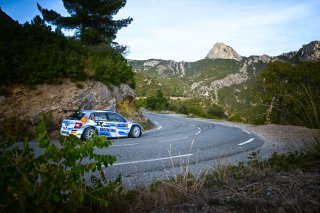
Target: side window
(115,117)
(98,116)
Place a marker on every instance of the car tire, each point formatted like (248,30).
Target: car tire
(135,132)
(88,133)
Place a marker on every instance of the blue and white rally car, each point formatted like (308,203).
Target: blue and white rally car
(84,124)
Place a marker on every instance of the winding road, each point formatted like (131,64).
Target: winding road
(178,143)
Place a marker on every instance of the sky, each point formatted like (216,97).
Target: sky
(185,30)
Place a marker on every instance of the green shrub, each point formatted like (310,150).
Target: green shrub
(55,180)
(157,102)
(141,103)
(292,92)
(235,118)
(14,129)
(216,111)
(183,109)
(33,54)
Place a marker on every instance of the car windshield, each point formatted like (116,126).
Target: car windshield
(76,116)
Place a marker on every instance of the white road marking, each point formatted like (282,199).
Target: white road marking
(248,141)
(159,126)
(176,139)
(150,160)
(246,132)
(132,144)
(198,131)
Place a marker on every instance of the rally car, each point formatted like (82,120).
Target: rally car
(84,124)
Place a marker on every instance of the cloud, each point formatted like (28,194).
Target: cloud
(187,29)
(172,30)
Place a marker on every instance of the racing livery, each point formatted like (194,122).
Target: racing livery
(84,124)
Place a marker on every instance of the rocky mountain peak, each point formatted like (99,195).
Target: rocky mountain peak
(223,51)
(310,52)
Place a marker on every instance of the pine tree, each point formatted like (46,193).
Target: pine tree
(92,20)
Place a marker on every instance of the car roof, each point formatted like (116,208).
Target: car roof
(87,112)
(96,110)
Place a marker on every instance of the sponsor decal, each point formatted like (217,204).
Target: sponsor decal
(84,119)
(103,124)
(107,130)
(67,125)
(122,125)
(99,123)
(73,132)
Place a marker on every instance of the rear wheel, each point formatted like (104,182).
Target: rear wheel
(88,133)
(135,132)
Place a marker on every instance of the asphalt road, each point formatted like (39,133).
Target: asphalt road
(178,143)
(175,145)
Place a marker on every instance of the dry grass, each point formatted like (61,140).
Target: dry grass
(284,183)
(238,189)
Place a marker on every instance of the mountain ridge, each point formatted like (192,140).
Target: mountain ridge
(167,68)
(308,52)
(226,82)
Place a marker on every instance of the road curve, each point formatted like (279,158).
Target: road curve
(176,144)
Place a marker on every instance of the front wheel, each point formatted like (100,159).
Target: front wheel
(135,132)
(88,133)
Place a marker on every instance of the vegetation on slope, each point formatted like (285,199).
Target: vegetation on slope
(212,69)
(34,54)
(190,106)
(280,92)
(292,93)
(147,85)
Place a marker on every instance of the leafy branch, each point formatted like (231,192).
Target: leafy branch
(55,179)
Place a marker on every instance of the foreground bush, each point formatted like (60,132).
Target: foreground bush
(56,179)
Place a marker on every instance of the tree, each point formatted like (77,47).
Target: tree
(92,20)
(216,111)
(157,102)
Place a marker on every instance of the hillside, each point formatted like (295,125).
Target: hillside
(44,72)
(37,54)
(223,77)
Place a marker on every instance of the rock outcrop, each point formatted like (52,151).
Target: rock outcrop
(310,52)
(60,100)
(222,51)
(166,68)
(232,79)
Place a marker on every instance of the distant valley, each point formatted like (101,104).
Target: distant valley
(223,77)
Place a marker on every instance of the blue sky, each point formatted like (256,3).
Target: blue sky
(187,29)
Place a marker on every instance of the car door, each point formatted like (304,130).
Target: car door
(119,124)
(101,123)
